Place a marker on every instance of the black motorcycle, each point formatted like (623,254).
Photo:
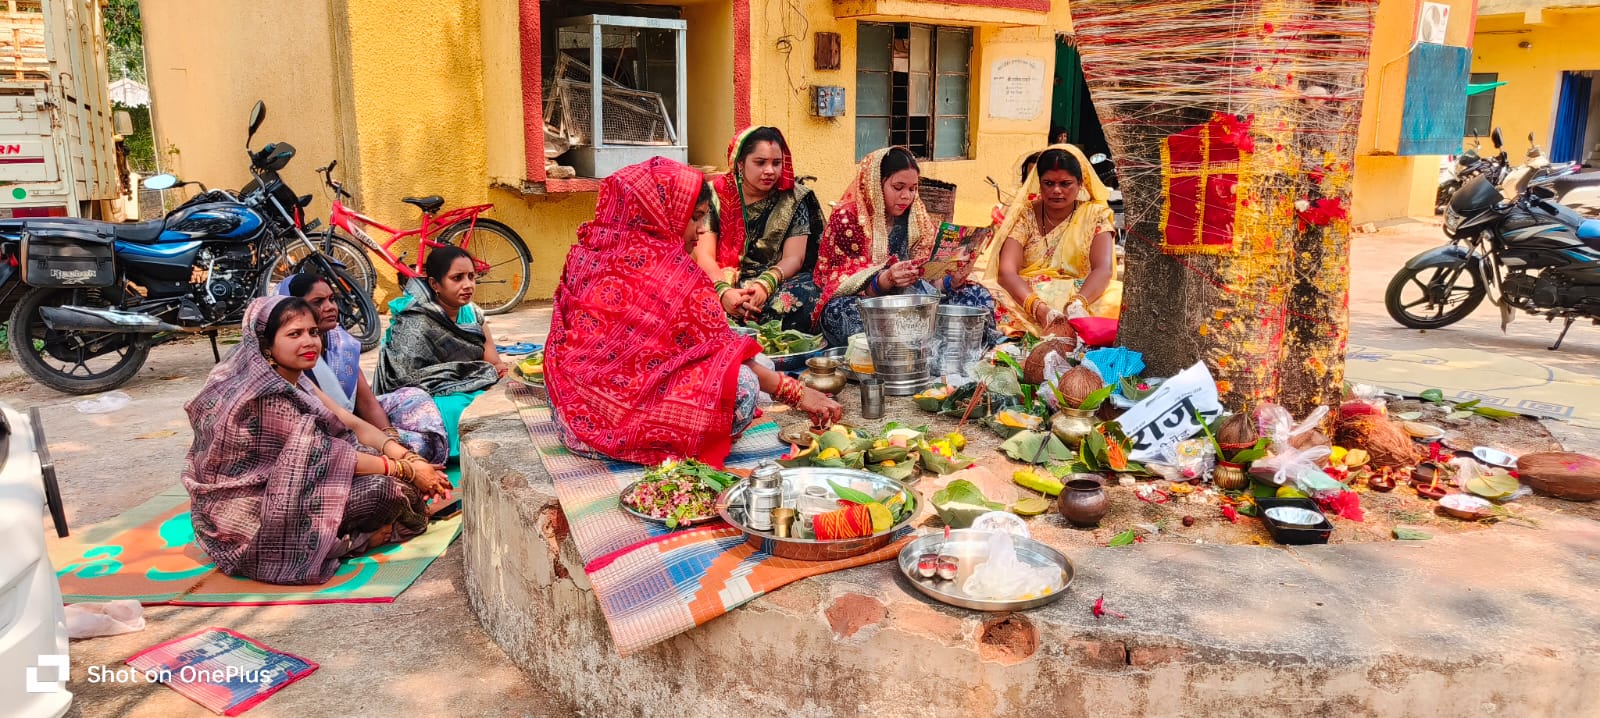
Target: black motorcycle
(1526,254)
(100,294)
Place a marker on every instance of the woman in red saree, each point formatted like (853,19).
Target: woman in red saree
(641,365)
(876,243)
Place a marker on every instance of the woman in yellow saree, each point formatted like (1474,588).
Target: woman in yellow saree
(1054,255)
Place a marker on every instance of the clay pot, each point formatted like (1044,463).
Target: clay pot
(1083,501)
(1432,493)
(1230,476)
(822,374)
(1381,484)
(1071,426)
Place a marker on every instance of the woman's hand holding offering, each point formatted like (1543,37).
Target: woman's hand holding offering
(822,409)
(429,479)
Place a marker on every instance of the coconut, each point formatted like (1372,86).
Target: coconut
(1077,384)
(1239,431)
(1033,367)
(1384,441)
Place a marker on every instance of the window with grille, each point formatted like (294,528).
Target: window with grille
(912,88)
(1480,107)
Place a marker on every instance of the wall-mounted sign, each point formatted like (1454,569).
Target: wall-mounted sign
(1016,89)
(1432,22)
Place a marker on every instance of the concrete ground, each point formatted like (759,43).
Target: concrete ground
(424,654)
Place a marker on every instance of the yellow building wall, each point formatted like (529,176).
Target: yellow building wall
(203,83)
(1563,39)
(825,147)
(710,75)
(1388,186)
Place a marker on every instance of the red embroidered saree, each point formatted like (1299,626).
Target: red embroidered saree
(641,365)
(855,245)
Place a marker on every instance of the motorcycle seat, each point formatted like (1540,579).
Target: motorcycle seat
(1564,184)
(429,204)
(139,232)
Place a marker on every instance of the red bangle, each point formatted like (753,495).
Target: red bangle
(386,471)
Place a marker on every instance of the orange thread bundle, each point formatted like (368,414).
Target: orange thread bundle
(853,521)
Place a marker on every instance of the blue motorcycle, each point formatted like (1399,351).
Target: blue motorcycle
(99,295)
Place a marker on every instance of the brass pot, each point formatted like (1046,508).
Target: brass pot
(1083,500)
(1230,476)
(1071,426)
(822,374)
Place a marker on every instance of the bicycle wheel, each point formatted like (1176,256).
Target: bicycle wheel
(357,314)
(504,256)
(345,252)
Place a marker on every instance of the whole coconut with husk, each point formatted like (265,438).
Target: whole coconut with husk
(1033,367)
(1238,432)
(1077,384)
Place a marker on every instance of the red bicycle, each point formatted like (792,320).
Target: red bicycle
(502,258)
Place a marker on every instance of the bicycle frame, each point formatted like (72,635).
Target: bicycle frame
(355,224)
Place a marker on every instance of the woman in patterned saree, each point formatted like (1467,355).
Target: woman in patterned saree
(876,243)
(1054,255)
(763,247)
(645,376)
(283,482)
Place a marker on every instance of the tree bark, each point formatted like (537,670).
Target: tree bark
(1269,317)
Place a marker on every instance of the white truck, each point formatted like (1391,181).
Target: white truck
(58,155)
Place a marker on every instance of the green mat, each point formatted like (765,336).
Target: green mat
(149,554)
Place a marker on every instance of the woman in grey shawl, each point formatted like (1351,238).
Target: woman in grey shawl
(437,340)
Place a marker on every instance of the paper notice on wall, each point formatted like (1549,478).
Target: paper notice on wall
(1169,415)
(1016,89)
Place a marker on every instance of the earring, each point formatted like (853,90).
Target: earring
(270,361)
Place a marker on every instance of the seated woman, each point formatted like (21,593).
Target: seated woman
(437,340)
(406,415)
(283,482)
(763,247)
(1055,258)
(876,243)
(641,365)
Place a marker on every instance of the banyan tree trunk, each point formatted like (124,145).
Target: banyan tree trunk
(1233,124)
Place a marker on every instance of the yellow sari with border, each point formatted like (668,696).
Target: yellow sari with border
(1057,262)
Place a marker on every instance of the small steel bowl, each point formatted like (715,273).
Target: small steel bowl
(1295,516)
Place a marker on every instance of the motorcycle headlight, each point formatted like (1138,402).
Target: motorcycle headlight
(1452,220)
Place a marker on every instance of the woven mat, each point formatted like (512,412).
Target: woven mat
(223,671)
(149,554)
(653,584)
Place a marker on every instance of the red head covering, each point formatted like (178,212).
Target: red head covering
(730,232)
(641,364)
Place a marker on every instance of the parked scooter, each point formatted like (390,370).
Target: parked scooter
(1526,254)
(102,294)
(1467,165)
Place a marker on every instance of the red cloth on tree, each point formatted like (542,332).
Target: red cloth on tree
(1200,172)
(640,363)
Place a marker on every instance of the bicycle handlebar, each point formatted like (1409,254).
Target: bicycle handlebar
(327,179)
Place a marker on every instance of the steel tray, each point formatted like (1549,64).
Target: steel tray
(972,547)
(730,506)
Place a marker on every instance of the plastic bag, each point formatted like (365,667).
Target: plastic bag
(1192,458)
(109,618)
(1364,399)
(1287,464)
(103,404)
(1055,364)
(1004,576)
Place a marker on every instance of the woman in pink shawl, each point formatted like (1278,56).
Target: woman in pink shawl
(641,364)
(284,482)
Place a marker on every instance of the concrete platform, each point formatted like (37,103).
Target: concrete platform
(1503,622)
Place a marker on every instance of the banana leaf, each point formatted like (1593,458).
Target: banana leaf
(855,460)
(927,403)
(962,502)
(834,440)
(936,463)
(801,459)
(1025,447)
(896,454)
(899,472)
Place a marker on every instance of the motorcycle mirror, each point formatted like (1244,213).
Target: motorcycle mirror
(161,181)
(257,115)
(1098,158)
(1497,138)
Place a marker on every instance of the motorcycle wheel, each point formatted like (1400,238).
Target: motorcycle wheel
(357,314)
(90,362)
(346,252)
(1437,292)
